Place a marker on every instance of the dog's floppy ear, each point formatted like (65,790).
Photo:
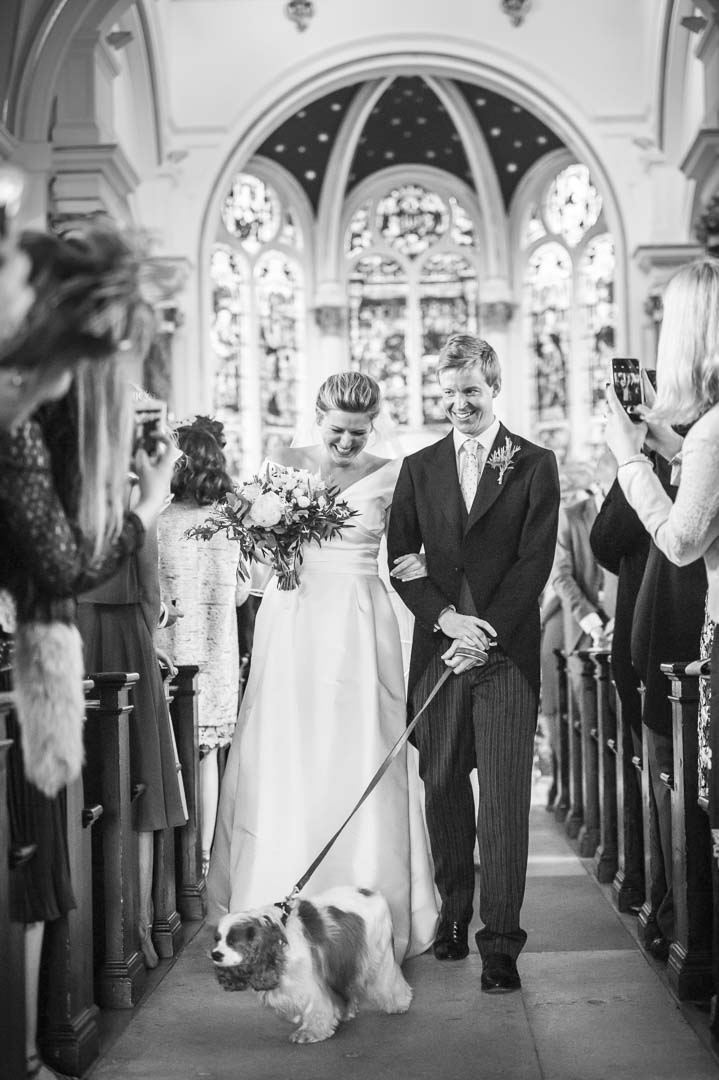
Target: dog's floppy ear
(269,958)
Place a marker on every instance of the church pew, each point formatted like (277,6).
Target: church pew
(605,856)
(690,956)
(120,971)
(69,1034)
(191,890)
(12,944)
(561,750)
(167,933)
(588,836)
(575,815)
(628,884)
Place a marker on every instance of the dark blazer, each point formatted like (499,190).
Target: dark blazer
(504,546)
(667,624)
(621,544)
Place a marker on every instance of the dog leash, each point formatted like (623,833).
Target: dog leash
(285,905)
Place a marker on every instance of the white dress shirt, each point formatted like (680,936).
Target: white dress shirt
(485,440)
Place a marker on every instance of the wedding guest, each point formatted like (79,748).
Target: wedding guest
(60,535)
(324,704)
(620,544)
(118,620)
(483,503)
(686,529)
(204,577)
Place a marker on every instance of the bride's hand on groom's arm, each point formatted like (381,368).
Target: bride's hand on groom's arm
(409,567)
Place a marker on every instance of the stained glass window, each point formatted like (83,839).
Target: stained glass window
(359,233)
(448,304)
(411,218)
(229,340)
(404,305)
(462,225)
(280,305)
(534,229)
(572,205)
(251,212)
(597,300)
(548,287)
(378,327)
(257,322)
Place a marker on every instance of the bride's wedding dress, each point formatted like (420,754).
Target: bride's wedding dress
(323,706)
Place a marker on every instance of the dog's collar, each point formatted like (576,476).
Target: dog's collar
(285,905)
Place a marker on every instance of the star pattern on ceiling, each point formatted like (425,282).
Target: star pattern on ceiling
(409,125)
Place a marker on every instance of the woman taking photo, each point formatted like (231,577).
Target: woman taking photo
(687,394)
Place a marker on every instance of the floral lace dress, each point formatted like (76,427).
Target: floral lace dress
(44,562)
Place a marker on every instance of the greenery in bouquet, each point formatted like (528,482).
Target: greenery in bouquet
(272,517)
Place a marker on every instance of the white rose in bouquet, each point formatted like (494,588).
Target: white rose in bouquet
(267,510)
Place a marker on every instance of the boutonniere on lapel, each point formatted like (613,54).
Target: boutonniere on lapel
(501,459)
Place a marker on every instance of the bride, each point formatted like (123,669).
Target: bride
(324,704)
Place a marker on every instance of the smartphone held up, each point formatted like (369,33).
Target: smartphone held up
(150,426)
(627,379)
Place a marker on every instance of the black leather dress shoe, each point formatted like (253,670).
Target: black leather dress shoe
(499,974)
(451,941)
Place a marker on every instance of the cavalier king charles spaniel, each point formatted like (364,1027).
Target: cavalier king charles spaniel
(334,951)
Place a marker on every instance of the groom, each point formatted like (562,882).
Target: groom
(483,503)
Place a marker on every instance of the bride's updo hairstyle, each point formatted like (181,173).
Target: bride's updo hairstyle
(349,391)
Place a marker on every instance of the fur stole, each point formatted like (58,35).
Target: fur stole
(48,675)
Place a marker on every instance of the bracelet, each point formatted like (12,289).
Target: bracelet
(164,616)
(449,607)
(639,459)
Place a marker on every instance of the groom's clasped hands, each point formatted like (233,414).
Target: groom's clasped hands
(473,637)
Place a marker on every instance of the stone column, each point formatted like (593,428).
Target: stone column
(495,317)
(333,353)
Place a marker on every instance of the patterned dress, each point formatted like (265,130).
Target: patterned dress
(202,576)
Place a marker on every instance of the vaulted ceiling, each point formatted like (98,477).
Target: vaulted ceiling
(409,125)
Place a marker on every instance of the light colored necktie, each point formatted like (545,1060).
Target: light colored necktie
(470,470)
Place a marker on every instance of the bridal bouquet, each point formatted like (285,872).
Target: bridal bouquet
(272,517)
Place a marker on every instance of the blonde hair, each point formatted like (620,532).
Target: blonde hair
(464,350)
(688,355)
(349,391)
(105,428)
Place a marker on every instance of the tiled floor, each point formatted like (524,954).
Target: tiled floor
(592,1008)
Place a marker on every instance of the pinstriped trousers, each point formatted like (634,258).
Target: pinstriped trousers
(486,717)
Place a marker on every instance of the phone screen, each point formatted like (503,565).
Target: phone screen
(150,422)
(627,384)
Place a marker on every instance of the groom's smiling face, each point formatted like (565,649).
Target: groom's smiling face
(467,399)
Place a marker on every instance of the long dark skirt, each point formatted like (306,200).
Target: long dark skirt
(116,638)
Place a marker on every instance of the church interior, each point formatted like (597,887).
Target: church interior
(323,185)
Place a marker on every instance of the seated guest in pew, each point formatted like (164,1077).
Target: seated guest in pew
(58,537)
(205,578)
(119,622)
(686,529)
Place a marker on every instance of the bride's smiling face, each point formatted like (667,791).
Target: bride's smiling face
(344,434)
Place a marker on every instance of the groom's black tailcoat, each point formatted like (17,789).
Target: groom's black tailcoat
(493,562)
(504,546)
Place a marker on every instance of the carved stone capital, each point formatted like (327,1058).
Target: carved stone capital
(331,319)
(496,314)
